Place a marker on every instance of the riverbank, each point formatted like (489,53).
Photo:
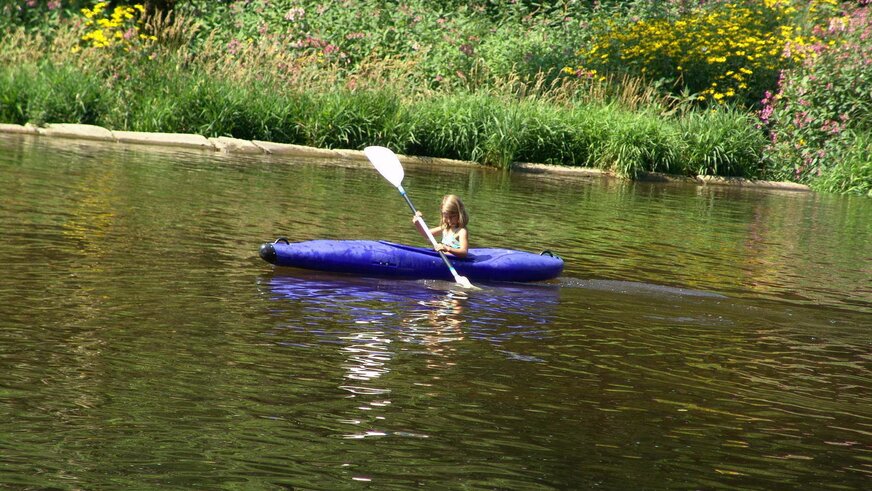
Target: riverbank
(92,133)
(491,85)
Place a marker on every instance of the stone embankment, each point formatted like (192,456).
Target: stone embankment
(256,147)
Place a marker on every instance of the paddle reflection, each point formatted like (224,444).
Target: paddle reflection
(437,326)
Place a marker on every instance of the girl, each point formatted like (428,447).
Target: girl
(455,239)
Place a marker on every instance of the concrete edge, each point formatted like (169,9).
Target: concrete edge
(18,129)
(235,145)
(238,146)
(532,168)
(742,182)
(76,131)
(183,140)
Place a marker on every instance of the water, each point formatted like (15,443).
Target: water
(700,337)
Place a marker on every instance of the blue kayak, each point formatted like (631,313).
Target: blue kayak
(387,259)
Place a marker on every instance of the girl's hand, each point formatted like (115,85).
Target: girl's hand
(418,215)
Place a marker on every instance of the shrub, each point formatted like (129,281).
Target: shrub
(720,51)
(824,106)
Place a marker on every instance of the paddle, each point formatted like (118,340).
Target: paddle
(388,165)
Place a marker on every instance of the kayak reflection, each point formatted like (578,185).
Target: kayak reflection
(391,334)
(335,303)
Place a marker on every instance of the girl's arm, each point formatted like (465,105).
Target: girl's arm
(420,228)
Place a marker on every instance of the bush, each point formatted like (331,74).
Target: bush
(719,51)
(824,106)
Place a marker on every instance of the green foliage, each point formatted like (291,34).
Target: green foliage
(15,82)
(722,143)
(446,42)
(852,172)
(38,16)
(63,94)
(451,126)
(560,137)
(639,142)
(821,117)
(353,119)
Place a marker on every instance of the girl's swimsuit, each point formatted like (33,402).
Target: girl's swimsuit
(451,239)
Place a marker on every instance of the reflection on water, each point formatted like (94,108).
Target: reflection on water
(436,327)
(700,338)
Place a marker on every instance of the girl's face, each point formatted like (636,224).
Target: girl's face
(451,218)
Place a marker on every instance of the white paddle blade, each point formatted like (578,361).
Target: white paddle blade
(386,163)
(465,283)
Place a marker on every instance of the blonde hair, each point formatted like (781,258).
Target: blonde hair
(451,204)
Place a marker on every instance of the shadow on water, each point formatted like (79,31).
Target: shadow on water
(636,288)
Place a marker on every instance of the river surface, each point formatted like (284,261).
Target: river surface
(699,338)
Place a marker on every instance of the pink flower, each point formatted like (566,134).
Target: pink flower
(766,113)
(233,46)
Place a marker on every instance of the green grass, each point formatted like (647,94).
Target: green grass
(481,127)
(852,173)
(721,143)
